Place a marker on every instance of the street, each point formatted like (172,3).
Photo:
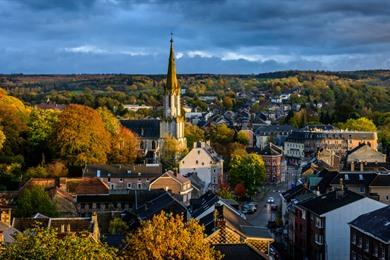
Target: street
(264,213)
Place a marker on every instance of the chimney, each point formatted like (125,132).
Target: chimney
(62,228)
(340,192)
(95,226)
(220,222)
(352,166)
(318,193)
(361,166)
(68,228)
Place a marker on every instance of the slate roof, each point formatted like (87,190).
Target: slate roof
(291,193)
(326,178)
(146,128)
(329,201)
(381,180)
(354,178)
(76,224)
(165,202)
(123,170)
(274,129)
(203,203)
(237,251)
(142,196)
(376,223)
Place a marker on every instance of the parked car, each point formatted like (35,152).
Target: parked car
(270,200)
(248,209)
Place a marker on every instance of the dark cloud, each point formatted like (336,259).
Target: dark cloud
(218,36)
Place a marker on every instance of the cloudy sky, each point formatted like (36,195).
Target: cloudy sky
(211,36)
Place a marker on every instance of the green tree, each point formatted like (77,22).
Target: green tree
(81,137)
(111,123)
(360,124)
(221,134)
(193,134)
(33,200)
(40,243)
(169,237)
(41,125)
(248,170)
(225,193)
(118,226)
(171,152)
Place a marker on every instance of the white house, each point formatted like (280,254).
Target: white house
(204,162)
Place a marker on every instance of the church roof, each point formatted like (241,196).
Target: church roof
(146,128)
(172,85)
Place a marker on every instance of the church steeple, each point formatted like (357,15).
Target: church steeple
(172,86)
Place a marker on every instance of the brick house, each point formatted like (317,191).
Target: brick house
(178,185)
(275,167)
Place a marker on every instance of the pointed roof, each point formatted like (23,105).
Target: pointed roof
(172,85)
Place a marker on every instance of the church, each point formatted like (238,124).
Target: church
(152,131)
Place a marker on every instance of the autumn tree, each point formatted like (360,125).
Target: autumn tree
(33,200)
(193,134)
(248,170)
(81,137)
(169,237)
(41,243)
(221,134)
(243,137)
(171,152)
(360,124)
(2,139)
(228,103)
(124,147)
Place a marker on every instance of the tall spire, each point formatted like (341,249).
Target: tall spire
(172,85)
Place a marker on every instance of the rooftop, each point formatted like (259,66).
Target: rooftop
(330,201)
(381,180)
(376,223)
(146,128)
(237,251)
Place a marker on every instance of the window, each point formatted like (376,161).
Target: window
(198,151)
(382,253)
(202,163)
(319,223)
(375,250)
(319,239)
(196,162)
(353,238)
(360,242)
(387,197)
(109,179)
(366,245)
(129,185)
(362,189)
(120,179)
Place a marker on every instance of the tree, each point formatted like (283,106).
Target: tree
(124,147)
(171,152)
(2,139)
(118,226)
(193,134)
(41,126)
(35,172)
(57,168)
(41,243)
(225,193)
(360,124)
(111,123)
(33,200)
(243,137)
(81,137)
(248,170)
(228,103)
(240,190)
(221,134)
(169,237)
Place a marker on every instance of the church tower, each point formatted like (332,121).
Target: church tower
(172,122)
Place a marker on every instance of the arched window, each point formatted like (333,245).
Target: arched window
(153,145)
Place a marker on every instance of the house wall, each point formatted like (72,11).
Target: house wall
(383,192)
(294,149)
(199,161)
(337,232)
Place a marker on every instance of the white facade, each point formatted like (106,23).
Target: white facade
(337,231)
(294,149)
(203,161)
